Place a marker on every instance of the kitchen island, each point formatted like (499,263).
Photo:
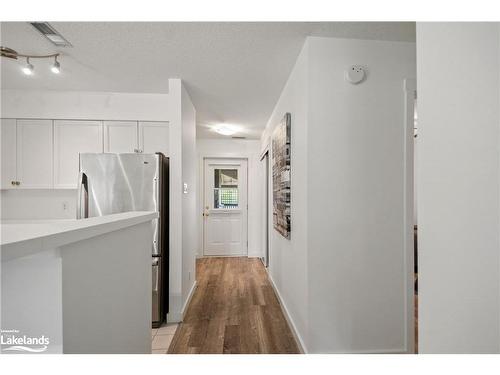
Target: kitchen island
(77,286)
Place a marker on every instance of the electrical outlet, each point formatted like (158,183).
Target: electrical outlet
(65,206)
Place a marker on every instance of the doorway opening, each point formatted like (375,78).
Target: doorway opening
(225,207)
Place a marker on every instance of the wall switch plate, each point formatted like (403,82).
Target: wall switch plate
(185,188)
(65,206)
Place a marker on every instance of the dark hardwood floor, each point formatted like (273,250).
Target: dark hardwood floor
(233,310)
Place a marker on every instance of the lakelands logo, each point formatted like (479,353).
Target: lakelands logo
(12,341)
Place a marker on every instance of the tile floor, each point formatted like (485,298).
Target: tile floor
(162,337)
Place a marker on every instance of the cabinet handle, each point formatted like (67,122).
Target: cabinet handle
(13,183)
(18,183)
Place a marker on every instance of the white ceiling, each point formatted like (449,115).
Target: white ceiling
(234,72)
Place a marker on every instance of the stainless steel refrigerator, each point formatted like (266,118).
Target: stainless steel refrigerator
(114,183)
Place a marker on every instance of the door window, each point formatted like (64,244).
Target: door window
(226,188)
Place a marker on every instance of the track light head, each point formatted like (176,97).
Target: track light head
(28,68)
(56,68)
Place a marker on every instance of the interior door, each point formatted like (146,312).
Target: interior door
(225,207)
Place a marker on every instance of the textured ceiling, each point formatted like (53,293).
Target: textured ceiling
(234,72)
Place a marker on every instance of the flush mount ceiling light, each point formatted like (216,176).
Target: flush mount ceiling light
(225,129)
(28,69)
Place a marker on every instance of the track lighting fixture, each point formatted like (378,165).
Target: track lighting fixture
(28,69)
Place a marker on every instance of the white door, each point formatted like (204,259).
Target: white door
(8,143)
(120,136)
(70,139)
(34,144)
(225,207)
(154,137)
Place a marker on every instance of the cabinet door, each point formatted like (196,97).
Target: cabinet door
(70,139)
(34,154)
(154,137)
(120,136)
(8,143)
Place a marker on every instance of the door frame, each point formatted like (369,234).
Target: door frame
(203,197)
(267,200)
(410,92)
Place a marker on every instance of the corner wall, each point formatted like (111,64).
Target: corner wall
(343,275)
(458,183)
(189,197)
(288,258)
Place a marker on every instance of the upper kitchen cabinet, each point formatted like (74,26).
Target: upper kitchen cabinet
(34,144)
(8,153)
(120,136)
(70,139)
(27,147)
(154,137)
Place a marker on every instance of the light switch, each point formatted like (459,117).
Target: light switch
(185,190)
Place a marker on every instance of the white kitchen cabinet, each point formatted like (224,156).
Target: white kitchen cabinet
(70,139)
(120,136)
(154,137)
(34,147)
(8,153)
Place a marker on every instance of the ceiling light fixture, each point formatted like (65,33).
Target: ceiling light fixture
(29,68)
(225,129)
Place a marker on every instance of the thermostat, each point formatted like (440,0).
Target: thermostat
(355,74)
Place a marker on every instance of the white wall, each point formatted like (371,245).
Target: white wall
(189,198)
(342,276)
(83,105)
(356,210)
(288,258)
(458,183)
(234,148)
(38,204)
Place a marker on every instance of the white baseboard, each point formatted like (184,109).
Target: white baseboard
(291,324)
(174,317)
(188,300)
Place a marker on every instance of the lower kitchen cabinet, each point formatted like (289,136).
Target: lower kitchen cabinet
(72,137)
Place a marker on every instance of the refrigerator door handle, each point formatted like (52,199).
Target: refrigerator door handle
(83,194)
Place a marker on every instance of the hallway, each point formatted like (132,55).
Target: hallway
(234,310)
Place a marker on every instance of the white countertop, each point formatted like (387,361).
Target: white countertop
(20,239)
